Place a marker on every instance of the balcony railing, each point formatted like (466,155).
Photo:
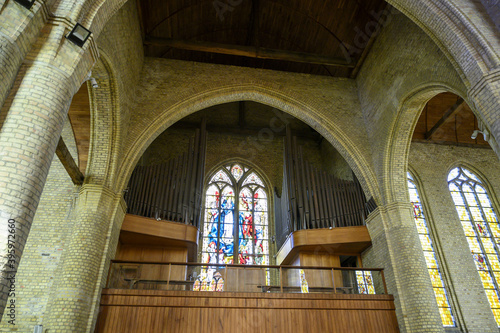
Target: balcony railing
(245,278)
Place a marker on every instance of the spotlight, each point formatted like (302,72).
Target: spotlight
(485,133)
(474,134)
(79,35)
(94,83)
(25,3)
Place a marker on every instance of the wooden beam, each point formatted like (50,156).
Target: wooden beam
(253,26)
(453,143)
(69,163)
(244,131)
(454,108)
(249,51)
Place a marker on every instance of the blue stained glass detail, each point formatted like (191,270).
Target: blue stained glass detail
(229,231)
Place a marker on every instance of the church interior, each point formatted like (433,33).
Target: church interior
(250,165)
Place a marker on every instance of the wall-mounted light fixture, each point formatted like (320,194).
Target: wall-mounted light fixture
(25,3)
(94,84)
(38,329)
(79,35)
(485,133)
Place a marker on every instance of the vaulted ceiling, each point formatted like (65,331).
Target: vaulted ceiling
(305,36)
(317,37)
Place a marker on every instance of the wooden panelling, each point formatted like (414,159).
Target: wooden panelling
(320,27)
(140,230)
(349,240)
(180,311)
(166,230)
(134,252)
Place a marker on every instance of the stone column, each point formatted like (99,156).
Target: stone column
(396,248)
(75,297)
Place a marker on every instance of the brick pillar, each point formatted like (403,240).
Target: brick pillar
(28,138)
(485,97)
(396,248)
(19,28)
(75,296)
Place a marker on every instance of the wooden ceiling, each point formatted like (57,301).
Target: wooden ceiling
(79,116)
(304,36)
(447,119)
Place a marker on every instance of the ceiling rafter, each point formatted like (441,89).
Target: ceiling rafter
(289,8)
(249,51)
(451,111)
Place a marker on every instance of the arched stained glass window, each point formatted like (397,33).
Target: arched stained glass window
(235,234)
(480,224)
(430,256)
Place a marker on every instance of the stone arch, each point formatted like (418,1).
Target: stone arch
(461,36)
(251,92)
(105,123)
(397,154)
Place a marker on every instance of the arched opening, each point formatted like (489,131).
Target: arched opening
(480,225)
(431,258)
(244,206)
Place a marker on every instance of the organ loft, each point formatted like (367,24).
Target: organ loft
(249,166)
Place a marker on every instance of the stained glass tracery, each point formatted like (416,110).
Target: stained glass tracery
(442,300)
(481,228)
(235,227)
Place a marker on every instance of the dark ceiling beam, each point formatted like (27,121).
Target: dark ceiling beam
(244,131)
(249,51)
(369,44)
(451,111)
(69,163)
(454,143)
(253,25)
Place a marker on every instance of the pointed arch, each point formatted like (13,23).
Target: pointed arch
(429,248)
(236,216)
(480,223)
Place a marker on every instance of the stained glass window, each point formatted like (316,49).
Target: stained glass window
(480,224)
(235,229)
(430,256)
(364,280)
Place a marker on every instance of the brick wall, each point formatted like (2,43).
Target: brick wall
(431,164)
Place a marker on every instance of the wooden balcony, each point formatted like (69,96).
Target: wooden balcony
(160,297)
(186,311)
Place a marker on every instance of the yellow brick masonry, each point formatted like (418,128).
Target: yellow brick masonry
(431,164)
(396,247)
(19,29)
(76,291)
(32,122)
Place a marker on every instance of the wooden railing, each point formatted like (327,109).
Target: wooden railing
(245,278)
